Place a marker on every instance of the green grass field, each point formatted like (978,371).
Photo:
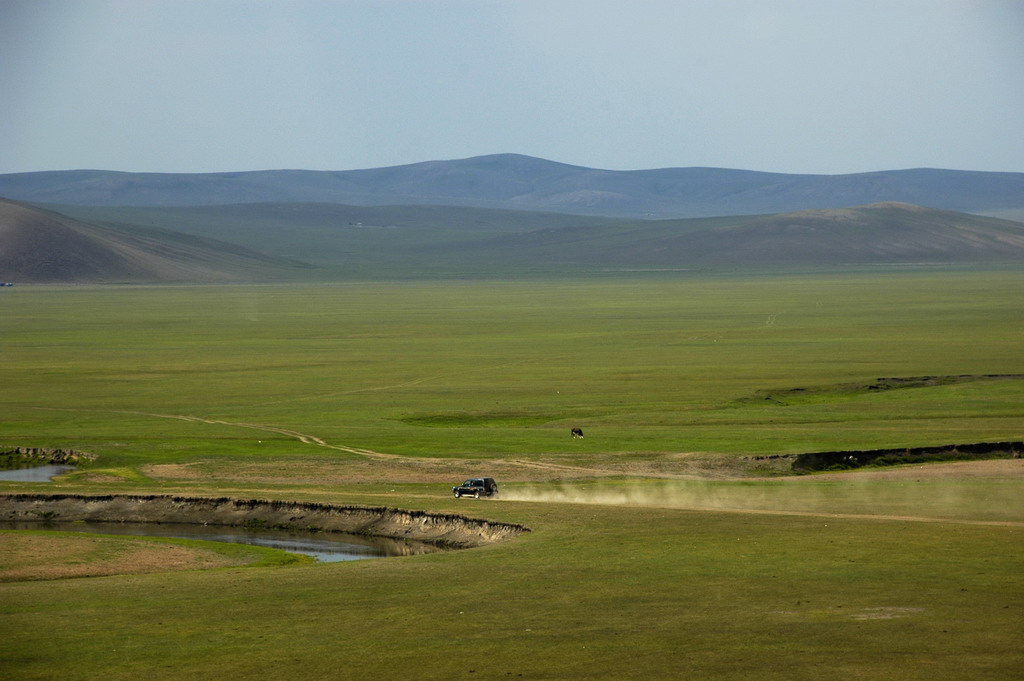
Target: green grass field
(297,392)
(478,369)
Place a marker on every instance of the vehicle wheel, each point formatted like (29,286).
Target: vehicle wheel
(476,495)
(457,495)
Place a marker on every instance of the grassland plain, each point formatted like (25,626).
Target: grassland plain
(386,393)
(593,592)
(487,369)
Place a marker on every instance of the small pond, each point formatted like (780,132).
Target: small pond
(327,547)
(35,473)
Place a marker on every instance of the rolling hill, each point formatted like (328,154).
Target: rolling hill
(40,246)
(358,238)
(511,181)
(884,233)
(407,242)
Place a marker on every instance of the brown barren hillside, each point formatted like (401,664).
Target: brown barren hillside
(40,246)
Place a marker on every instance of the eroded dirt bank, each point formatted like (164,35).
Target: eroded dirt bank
(40,456)
(454,530)
(820,461)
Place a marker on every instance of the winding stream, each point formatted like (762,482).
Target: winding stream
(322,531)
(325,547)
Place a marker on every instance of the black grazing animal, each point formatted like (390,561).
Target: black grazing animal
(577,432)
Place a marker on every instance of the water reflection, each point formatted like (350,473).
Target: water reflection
(327,547)
(34,474)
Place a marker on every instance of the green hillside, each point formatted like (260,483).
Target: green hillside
(347,242)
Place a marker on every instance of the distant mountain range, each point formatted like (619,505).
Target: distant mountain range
(511,181)
(492,216)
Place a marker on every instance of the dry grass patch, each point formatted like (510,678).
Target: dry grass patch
(173,471)
(101,478)
(310,471)
(423,470)
(28,556)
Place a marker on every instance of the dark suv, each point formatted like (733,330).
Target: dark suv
(476,487)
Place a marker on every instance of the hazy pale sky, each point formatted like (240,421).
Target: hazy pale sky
(798,86)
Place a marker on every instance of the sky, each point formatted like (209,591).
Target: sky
(793,86)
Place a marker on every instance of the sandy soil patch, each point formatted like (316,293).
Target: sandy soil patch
(994,468)
(309,471)
(34,557)
(890,613)
(101,477)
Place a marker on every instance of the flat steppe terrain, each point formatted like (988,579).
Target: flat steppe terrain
(660,547)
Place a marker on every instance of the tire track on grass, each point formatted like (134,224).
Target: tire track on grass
(304,438)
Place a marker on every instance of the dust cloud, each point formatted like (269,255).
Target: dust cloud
(666,494)
(946,500)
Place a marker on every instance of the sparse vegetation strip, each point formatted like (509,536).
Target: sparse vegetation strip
(784,397)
